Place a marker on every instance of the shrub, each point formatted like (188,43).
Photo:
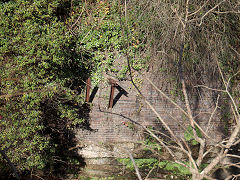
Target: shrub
(39,63)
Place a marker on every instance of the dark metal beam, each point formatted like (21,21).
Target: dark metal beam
(113,86)
(88,90)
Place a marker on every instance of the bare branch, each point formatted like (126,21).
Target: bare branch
(149,173)
(201,20)
(227,12)
(233,155)
(199,9)
(235,51)
(189,153)
(186,11)
(163,94)
(175,34)
(232,137)
(171,101)
(13,168)
(212,114)
(78,17)
(238,141)
(134,164)
(178,17)
(212,89)
(220,71)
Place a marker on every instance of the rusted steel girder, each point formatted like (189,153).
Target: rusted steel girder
(113,84)
(88,90)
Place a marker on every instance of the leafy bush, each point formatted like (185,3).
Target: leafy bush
(46,53)
(147,163)
(188,135)
(174,168)
(39,63)
(100,32)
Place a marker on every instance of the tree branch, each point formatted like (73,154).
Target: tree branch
(13,168)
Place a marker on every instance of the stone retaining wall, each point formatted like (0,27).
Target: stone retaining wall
(113,125)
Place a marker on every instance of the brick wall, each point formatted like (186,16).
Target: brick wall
(110,125)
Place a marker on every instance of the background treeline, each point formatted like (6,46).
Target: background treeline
(48,48)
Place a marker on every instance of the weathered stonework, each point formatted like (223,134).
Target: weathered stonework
(113,125)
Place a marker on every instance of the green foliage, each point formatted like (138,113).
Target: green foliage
(149,163)
(141,163)
(174,168)
(188,135)
(43,60)
(20,134)
(100,33)
(151,143)
(39,63)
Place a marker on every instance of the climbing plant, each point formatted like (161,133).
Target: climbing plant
(99,26)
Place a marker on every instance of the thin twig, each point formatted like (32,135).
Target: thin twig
(233,135)
(134,164)
(212,89)
(226,12)
(201,20)
(199,9)
(146,129)
(78,17)
(211,117)
(149,173)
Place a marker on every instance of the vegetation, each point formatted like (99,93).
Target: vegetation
(170,168)
(49,48)
(40,70)
(196,38)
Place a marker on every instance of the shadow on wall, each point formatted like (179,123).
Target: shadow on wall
(112,100)
(85,109)
(121,92)
(94,92)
